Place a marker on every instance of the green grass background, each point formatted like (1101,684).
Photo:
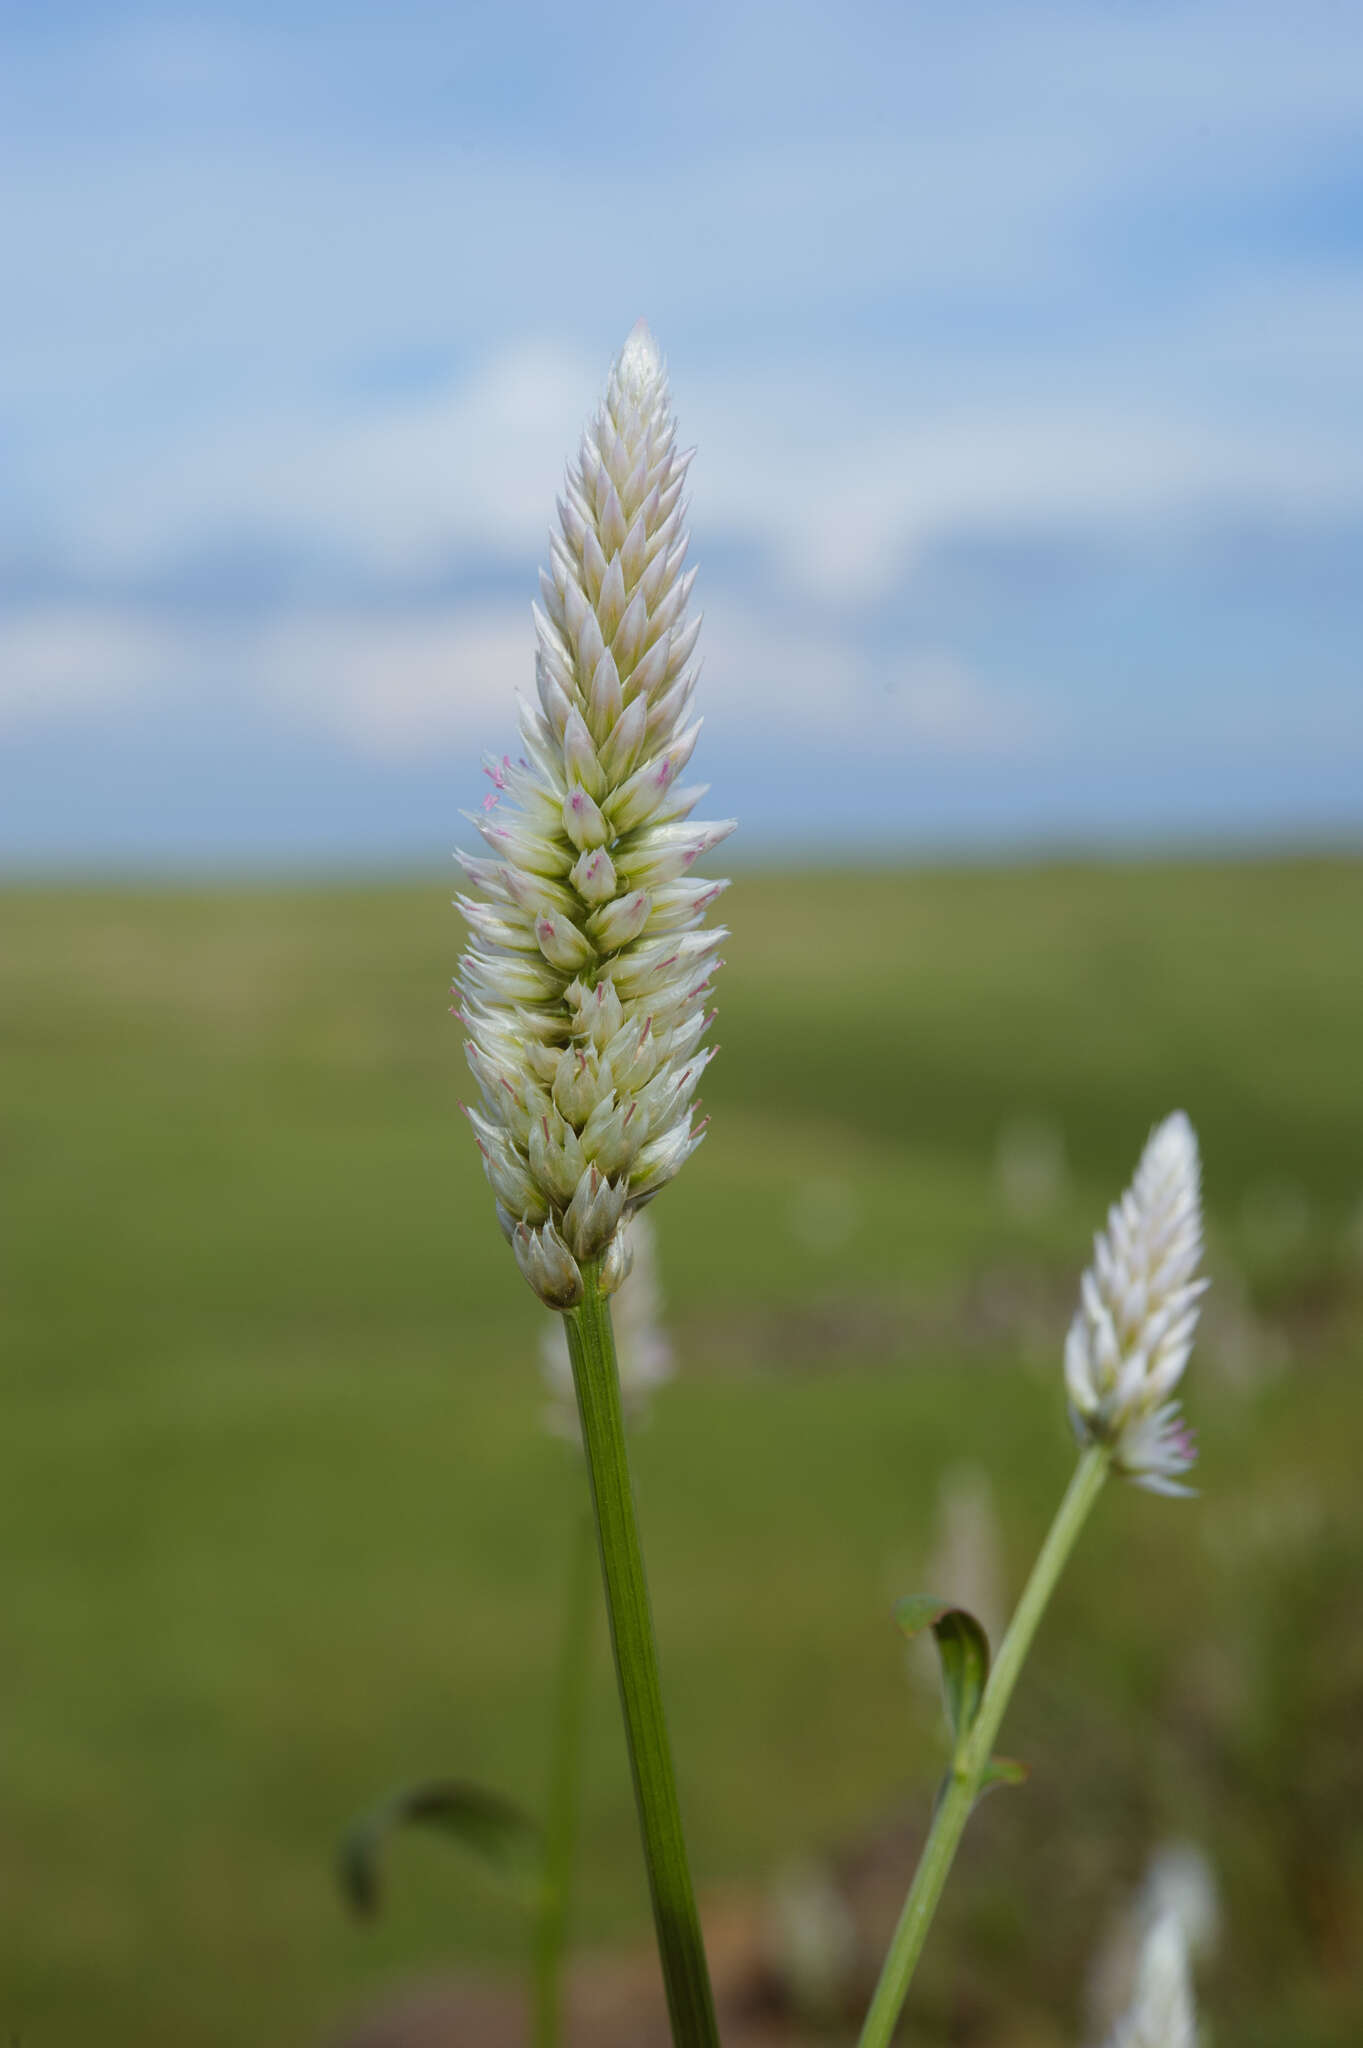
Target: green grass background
(279,1525)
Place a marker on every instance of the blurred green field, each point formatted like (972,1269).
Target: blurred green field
(279,1525)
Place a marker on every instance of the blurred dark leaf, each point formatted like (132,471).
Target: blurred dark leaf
(963,1649)
(497,1832)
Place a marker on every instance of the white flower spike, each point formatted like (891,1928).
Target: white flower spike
(1133,1330)
(583,989)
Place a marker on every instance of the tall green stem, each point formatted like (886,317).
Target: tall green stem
(564,1768)
(690,2002)
(972,1759)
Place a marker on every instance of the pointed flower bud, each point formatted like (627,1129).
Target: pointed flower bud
(583,989)
(1133,1330)
(548,1265)
(618,1263)
(592,1217)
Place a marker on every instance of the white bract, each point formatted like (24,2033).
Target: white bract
(583,988)
(642,1351)
(1162,2013)
(1133,1331)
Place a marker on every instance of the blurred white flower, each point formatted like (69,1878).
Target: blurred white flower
(642,1350)
(809,1942)
(1162,2013)
(966,1566)
(1181,1881)
(1133,1331)
(583,988)
(1179,1884)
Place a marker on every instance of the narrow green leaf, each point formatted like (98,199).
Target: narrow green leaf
(962,1648)
(1004,1770)
(492,1828)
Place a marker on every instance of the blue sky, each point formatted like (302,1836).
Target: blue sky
(1023,347)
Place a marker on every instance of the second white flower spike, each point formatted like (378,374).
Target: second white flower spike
(583,989)
(1133,1330)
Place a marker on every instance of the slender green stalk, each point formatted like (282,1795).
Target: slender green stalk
(963,1785)
(690,2002)
(560,1832)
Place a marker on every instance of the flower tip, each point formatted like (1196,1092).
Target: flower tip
(640,363)
(1175,1138)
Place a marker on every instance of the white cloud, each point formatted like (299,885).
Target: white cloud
(58,663)
(398,687)
(388,685)
(404,488)
(764,675)
(844,510)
